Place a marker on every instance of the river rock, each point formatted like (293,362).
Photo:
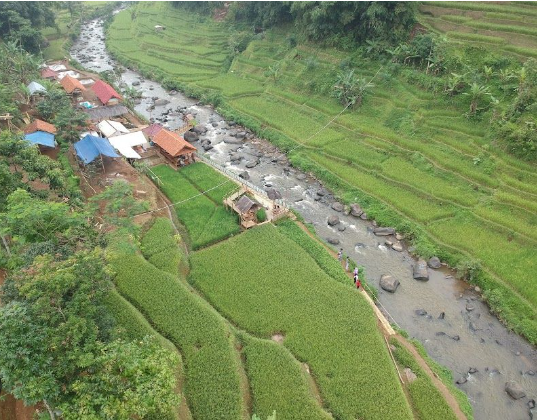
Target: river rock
(200,129)
(245,175)
(472,370)
(322,192)
(341,228)
(419,270)
(434,262)
(399,237)
(356,210)
(337,206)
(531,404)
(461,380)
(514,390)
(333,220)
(442,315)
(421,312)
(191,136)
(252,163)
(409,375)
(384,231)
(389,283)
(397,247)
(301,177)
(241,135)
(207,146)
(232,140)
(388,243)
(363,216)
(333,241)
(136,83)
(235,157)
(470,307)
(161,102)
(273,194)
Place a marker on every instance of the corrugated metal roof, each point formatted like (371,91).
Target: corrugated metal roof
(35,87)
(90,147)
(245,203)
(124,143)
(105,112)
(41,137)
(110,128)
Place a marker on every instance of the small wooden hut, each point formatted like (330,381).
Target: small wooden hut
(174,148)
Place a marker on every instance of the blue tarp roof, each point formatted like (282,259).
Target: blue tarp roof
(34,87)
(41,137)
(90,147)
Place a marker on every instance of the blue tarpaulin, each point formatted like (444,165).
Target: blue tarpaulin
(90,147)
(41,137)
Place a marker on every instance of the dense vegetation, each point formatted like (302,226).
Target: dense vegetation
(424,149)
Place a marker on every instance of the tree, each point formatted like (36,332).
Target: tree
(69,123)
(125,380)
(53,102)
(120,206)
(476,94)
(350,89)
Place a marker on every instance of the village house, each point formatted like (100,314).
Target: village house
(72,86)
(106,93)
(49,74)
(174,148)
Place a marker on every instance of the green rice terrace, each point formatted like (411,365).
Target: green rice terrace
(410,155)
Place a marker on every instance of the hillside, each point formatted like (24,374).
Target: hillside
(410,156)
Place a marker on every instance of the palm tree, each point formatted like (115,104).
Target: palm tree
(454,84)
(350,89)
(477,92)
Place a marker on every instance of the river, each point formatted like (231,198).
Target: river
(467,336)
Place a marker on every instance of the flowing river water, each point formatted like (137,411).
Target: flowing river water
(466,336)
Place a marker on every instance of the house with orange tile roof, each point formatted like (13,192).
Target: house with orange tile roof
(72,85)
(174,148)
(39,125)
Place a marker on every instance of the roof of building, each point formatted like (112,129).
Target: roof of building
(172,143)
(91,147)
(111,128)
(245,203)
(105,112)
(124,143)
(57,67)
(35,87)
(39,125)
(41,137)
(152,130)
(70,84)
(48,73)
(104,91)
(72,73)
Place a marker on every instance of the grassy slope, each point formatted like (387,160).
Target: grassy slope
(204,217)
(404,150)
(324,323)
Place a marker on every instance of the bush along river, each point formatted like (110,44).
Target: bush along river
(446,315)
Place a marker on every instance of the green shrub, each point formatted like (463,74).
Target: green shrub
(261,215)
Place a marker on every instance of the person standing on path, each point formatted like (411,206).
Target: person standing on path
(357,281)
(340,255)
(355,272)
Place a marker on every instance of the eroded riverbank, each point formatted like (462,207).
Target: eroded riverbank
(466,337)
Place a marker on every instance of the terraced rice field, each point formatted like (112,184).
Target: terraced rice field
(511,27)
(405,149)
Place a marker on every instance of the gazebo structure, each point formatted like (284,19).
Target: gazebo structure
(174,148)
(247,209)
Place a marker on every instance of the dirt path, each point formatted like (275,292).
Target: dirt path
(389,332)
(448,396)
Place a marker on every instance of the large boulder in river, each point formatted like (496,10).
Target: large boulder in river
(232,140)
(273,194)
(200,129)
(514,390)
(389,283)
(333,220)
(337,206)
(384,231)
(161,102)
(420,271)
(356,210)
(191,136)
(434,262)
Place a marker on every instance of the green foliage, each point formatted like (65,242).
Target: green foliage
(118,205)
(127,379)
(212,380)
(278,380)
(205,220)
(350,89)
(261,215)
(160,246)
(425,397)
(290,301)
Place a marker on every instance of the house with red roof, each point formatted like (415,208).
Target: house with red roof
(39,125)
(106,93)
(49,74)
(72,85)
(174,148)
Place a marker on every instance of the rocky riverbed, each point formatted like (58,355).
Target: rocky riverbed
(447,315)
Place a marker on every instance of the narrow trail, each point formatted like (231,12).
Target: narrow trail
(388,332)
